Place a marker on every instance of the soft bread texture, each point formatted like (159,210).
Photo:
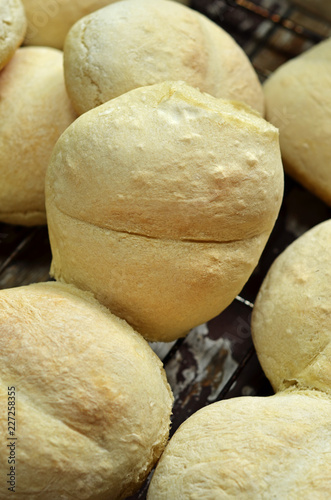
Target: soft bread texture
(280,446)
(131,44)
(298,102)
(248,448)
(13,26)
(93,403)
(34,111)
(50,20)
(160,203)
(291,318)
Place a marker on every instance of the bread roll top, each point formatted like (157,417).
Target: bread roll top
(250,447)
(93,401)
(132,44)
(172,159)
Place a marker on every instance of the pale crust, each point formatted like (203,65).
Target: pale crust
(132,44)
(247,448)
(93,403)
(162,287)
(12,29)
(277,447)
(165,228)
(298,102)
(50,20)
(34,111)
(291,319)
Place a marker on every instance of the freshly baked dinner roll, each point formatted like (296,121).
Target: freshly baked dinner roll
(92,401)
(298,99)
(131,44)
(160,203)
(291,319)
(12,28)
(50,20)
(250,448)
(34,111)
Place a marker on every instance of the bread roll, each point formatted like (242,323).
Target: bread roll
(298,100)
(291,318)
(34,111)
(160,203)
(50,20)
(277,447)
(92,401)
(131,44)
(13,26)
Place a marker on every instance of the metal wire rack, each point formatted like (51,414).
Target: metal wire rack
(217,360)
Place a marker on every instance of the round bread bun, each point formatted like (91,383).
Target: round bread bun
(160,203)
(298,100)
(291,325)
(92,401)
(13,26)
(50,20)
(131,44)
(248,448)
(34,111)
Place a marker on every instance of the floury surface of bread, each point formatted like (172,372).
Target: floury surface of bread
(276,447)
(93,404)
(160,202)
(132,44)
(50,20)
(291,322)
(34,111)
(13,26)
(298,102)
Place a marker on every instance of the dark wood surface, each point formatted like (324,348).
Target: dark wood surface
(217,360)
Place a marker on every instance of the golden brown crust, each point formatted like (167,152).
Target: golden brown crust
(165,229)
(34,111)
(92,398)
(133,44)
(12,29)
